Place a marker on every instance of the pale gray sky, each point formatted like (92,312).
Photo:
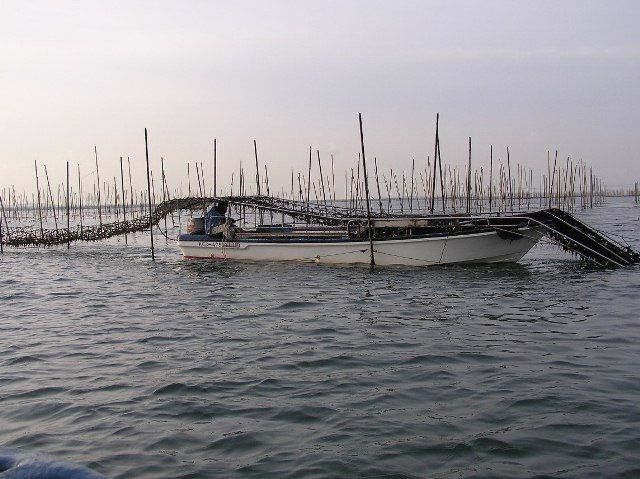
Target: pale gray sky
(529,75)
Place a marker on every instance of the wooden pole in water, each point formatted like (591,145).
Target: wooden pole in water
(333,181)
(146,150)
(130,186)
(189,179)
(324,196)
(68,219)
(1,217)
(469,181)
(199,184)
(441,176)
(204,187)
(215,170)
(510,189)
(255,150)
(124,203)
(165,192)
(53,204)
(435,156)
(80,198)
(375,164)
(39,200)
(95,149)
(591,187)
(4,216)
(366,188)
(309,179)
(266,180)
(553,177)
(490,177)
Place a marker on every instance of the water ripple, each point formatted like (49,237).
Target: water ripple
(197,370)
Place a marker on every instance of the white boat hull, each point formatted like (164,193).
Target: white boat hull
(483,247)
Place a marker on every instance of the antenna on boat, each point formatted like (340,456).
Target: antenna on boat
(366,190)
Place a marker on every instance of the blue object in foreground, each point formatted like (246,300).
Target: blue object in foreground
(18,464)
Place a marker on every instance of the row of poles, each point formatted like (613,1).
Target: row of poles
(570,186)
(465,190)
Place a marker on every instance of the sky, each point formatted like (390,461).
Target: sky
(533,76)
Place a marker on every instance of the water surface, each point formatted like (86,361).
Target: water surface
(179,369)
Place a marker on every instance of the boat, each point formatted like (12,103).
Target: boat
(341,236)
(487,246)
(274,229)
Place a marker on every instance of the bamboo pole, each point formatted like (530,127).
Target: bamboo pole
(255,149)
(39,200)
(333,181)
(510,189)
(375,163)
(2,216)
(199,184)
(53,205)
(68,213)
(189,180)
(413,167)
(215,170)
(469,181)
(324,196)
(146,151)
(490,177)
(435,156)
(366,188)
(80,199)
(95,149)
(204,187)
(124,203)
(441,175)
(552,178)
(164,191)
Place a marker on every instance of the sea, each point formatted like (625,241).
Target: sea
(171,368)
